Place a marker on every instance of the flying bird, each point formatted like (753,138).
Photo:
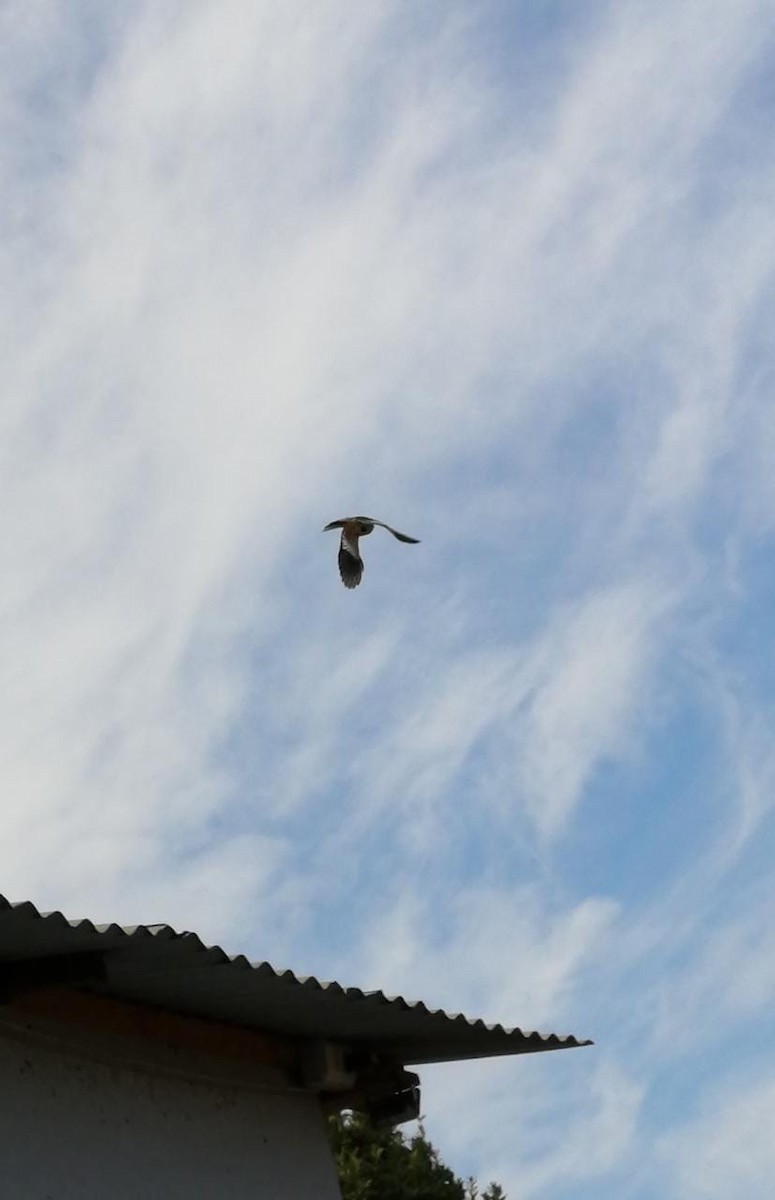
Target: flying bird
(353,528)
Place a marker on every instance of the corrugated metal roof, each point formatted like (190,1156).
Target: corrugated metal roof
(155,965)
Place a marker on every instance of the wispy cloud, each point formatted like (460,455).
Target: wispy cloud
(728,1148)
(505,280)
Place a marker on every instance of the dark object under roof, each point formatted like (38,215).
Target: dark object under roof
(155,965)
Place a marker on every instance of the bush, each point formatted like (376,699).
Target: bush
(382,1164)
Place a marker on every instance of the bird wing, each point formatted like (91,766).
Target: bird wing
(350,561)
(402,537)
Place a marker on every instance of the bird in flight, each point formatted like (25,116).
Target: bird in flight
(353,528)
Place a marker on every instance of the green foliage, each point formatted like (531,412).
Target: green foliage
(382,1164)
(493,1192)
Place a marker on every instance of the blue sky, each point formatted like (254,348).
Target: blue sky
(501,275)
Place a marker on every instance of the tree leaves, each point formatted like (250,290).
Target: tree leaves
(382,1164)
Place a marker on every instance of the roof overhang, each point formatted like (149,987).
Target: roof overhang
(350,1045)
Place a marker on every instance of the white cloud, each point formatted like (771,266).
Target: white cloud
(596,1142)
(726,980)
(536,719)
(267,265)
(596,666)
(728,1149)
(500,952)
(540,1125)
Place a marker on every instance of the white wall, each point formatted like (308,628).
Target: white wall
(83,1123)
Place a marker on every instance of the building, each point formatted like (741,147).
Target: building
(138,1062)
